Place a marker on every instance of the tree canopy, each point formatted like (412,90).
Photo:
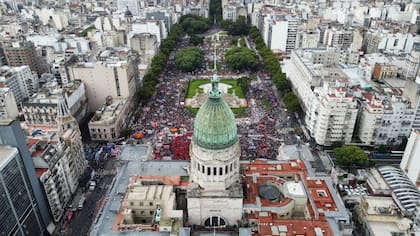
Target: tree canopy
(193,24)
(216,9)
(244,83)
(350,155)
(196,40)
(291,102)
(281,82)
(241,58)
(189,59)
(240,27)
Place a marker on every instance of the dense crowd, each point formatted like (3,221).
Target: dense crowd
(259,131)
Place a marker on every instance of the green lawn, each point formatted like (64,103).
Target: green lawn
(194,85)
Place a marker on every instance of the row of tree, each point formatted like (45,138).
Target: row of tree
(151,78)
(272,65)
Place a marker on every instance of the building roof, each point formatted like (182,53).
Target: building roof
(404,191)
(215,126)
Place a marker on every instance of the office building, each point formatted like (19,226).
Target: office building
(11,134)
(20,213)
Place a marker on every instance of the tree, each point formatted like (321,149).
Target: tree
(189,59)
(291,102)
(350,155)
(193,24)
(196,40)
(239,27)
(281,82)
(167,46)
(241,58)
(85,31)
(126,132)
(244,83)
(216,9)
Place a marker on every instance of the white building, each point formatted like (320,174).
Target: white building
(110,76)
(20,80)
(412,63)
(397,121)
(214,194)
(377,40)
(41,109)
(410,162)
(8,107)
(131,5)
(146,45)
(51,16)
(336,118)
(370,118)
(338,37)
(59,159)
(152,27)
(110,119)
(279,32)
(307,38)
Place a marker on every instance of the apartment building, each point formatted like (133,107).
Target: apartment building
(146,45)
(397,121)
(338,37)
(279,31)
(20,80)
(109,119)
(8,107)
(21,53)
(410,162)
(412,63)
(336,118)
(41,109)
(114,74)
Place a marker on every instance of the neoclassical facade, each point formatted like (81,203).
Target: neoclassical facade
(214,192)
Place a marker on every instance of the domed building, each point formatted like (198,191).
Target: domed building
(214,195)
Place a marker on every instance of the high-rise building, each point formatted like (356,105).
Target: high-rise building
(20,80)
(410,162)
(336,118)
(19,209)
(8,107)
(23,53)
(11,134)
(214,195)
(412,63)
(59,160)
(110,76)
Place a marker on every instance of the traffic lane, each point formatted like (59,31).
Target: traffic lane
(83,219)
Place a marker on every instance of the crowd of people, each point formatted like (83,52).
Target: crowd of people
(259,131)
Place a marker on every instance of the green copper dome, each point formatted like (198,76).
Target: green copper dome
(214,125)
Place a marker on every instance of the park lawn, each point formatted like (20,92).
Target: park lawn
(194,85)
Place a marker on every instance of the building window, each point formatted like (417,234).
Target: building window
(151,213)
(202,169)
(208,171)
(214,170)
(226,169)
(150,203)
(220,170)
